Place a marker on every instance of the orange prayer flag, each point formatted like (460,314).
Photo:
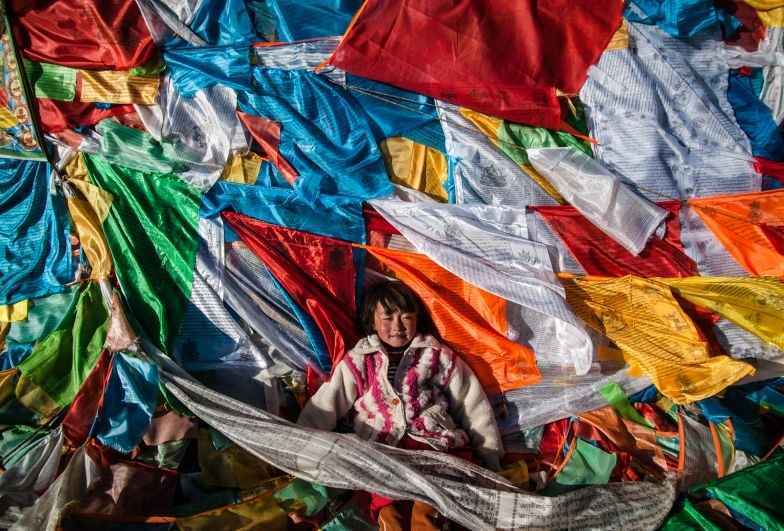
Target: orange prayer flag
(469,319)
(750,226)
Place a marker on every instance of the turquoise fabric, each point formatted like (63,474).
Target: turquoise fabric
(682,18)
(43,316)
(128,403)
(325,134)
(753,116)
(334,216)
(35,246)
(222,22)
(194,69)
(305,19)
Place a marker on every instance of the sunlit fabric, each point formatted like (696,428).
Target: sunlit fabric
(266,133)
(755,118)
(195,69)
(306,19)
(335,216)
(470,320)
(14,312)
(210,337)
(59,363)
(56,116)
(83,411)
(483,173)
(489,247)
(600,255)
(682,18)
(458,45)
(325,135)
(118,87)
(204,125)
(317,272)
(656,336)
(255,296)
(416,166)
(754,304)
(242,168)
(749,226)
(219,22)
(34,233)
(110,34)
(771,12)
(128,403)
(51,81)
(395,112)
(151,231)
(599,195)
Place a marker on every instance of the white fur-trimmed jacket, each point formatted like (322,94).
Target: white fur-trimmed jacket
(436,399)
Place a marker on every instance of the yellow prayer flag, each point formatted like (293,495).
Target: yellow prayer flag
(14,312)
(110,86)
(756,304)
(643,318)
(416,166)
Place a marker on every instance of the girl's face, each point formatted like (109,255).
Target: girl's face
(395,328)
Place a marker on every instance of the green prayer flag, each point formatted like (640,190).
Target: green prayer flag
(688,518)
(61,361)
(752,492)
(52,81)
(615,395)
(588,465)
(514,139)
(43,316)
(137,149)
(152,232)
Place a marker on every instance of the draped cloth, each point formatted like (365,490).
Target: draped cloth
(549,45)
(317,272)
(105,34)
(643,318)
(35,250)
(151,230)
(471,320)
(600,255)
(750,226)
(489,247)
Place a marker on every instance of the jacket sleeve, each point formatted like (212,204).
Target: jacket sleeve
(470,407)
(331,402)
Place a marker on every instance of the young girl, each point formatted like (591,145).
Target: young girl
(405,388)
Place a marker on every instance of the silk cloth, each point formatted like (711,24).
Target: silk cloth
(599,255)
(110,35)
(60,362)
(643,318)
(472,321)
(333,215)
(317,272)
(325,136)
(204,125)
(378,45)
(489,247)
(151,230)
(416,166)
(749,226)
(299,20)
(56,116)
(129,401)
(599,195)
(35,233)
(643,105)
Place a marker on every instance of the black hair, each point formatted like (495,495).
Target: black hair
(392,295)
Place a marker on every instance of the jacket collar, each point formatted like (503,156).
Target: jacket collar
(371,344)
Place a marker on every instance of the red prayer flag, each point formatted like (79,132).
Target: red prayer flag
(87,402)
(317,272)
(602,256)
(93,34)
(501,57)
(56,116)
(267,134)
